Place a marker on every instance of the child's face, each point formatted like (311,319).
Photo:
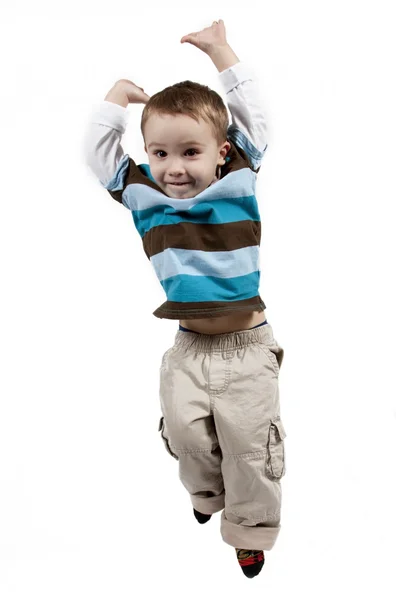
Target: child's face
(182,150)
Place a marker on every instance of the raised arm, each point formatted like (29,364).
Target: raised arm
(102,141)
(249,128)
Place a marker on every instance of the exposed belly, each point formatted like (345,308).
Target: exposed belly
(227,324)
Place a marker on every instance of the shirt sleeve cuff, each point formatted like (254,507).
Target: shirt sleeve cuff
(235,75)
(110,114)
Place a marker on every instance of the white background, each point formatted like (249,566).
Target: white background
(90,503)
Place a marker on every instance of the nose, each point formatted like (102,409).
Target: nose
(176,168)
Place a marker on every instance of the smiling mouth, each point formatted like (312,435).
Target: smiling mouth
(179,184)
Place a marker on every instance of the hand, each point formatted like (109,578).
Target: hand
(208,38)
(135,94)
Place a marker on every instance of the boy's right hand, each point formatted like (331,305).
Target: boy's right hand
(135,94)
(126,92)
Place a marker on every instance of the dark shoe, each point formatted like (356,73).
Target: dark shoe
(201,518)
(251,561)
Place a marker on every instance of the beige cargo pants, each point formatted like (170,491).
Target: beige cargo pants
(221,420)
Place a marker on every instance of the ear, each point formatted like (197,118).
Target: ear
(225,148)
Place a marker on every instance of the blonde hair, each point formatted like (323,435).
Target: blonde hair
(192,99)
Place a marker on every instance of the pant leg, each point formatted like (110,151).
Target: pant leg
(188,430)
(251,434)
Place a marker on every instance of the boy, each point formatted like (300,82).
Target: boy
(194,206)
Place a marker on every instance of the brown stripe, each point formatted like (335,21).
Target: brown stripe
(202,236)
(134,175)
(202,310)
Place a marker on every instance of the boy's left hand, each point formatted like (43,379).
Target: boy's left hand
(208,38)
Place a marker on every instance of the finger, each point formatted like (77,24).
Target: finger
(189,38)
(193,33)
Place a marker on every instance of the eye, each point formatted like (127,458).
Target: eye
(192,150)
(158,151)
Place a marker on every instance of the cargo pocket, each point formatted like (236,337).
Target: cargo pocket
(275,465)
(165,438)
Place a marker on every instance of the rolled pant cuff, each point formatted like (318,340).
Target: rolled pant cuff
(208,506)
(249,538)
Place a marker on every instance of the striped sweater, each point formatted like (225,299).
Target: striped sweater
(205,250)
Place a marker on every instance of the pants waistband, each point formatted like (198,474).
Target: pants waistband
(202,342)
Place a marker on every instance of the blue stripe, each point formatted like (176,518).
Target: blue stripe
(214,212)
(178,261)
(235,184)
(116,183)
(240,140)
(189,288)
